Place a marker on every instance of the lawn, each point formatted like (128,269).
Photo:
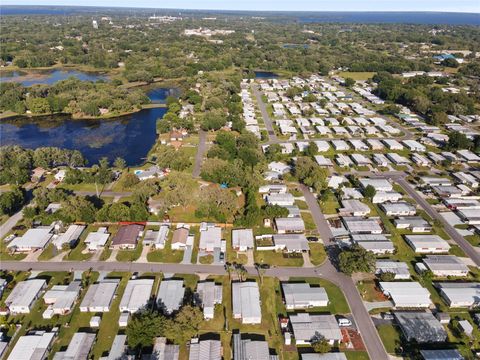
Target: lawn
(130,255)
(317,253)
(357,75)
(309,222)
(49,252)
(278,258)
(357,355)
(390,337)
(166,255)
(330,205)
(370,292)
(206,259)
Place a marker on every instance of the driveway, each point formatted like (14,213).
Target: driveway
(202,147)
(263,110)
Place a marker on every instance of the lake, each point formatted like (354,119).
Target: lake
(130,137)
(265,75)
(48,77)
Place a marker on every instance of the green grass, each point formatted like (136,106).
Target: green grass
(166,255)
(310,226)
(473,239)
(330,205)
(277,258)
(369,291)
(357,355)
(130,255)
(317,253)
(390,337)
(76,254)
(357,75)
(206,259)
(49,252)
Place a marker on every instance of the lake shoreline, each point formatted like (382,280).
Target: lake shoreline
(13,116)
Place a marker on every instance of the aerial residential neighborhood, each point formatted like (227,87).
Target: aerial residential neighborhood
(232,184)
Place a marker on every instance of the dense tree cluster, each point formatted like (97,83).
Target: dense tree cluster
(12,201)
(356,259)
(80,98)
(18,162)
(422,95)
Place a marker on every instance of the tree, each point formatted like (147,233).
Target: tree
(129,180)
(311,150)
(370,192)
(185,325)
(356,259)
(143,328)
(12,201)
(179,189)
(458,140)
(274,211)
(349,82)
(217,202)
(119,163)
(78,208)
(320,344)
(387,276)
(450,62)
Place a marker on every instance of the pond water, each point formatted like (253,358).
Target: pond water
(265,75)
(130,137)
(48,77)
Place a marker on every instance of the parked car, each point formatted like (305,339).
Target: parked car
(344,322)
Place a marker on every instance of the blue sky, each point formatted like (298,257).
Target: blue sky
(283,5)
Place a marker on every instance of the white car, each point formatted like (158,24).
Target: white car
(344,322)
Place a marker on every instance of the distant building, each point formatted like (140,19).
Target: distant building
(460,294)
(446,265)
(246,302)
(205,350)
(99,296)
(209,294)
(420,326)
(136,295)
(242,239)
(170,295)
(127,237)
(24,294)
(33,346)
(303,295)
(78,348)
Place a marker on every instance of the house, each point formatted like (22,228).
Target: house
(323,161)
(136,295)
(97,240)
(170,295)
(441,354)
(205,350)
(377,184)
(354,207)
(360,225)
(210,237)
(293,211)
(23,296)
(242,239)
(306,327)
(180,238)
(340,145)
(279,167)
(398,209)
(33,346)
(247,349)
(246,302)
(157,238)
(469,156)
(469,216)
(33,239)
(37,174)
(289,225)
(291,243)
(427,244)
(466,327)
(398,159)
(273,189)
(465,178)
(60,299)
(99,296)
(3,284)
(415,224)
(163,351)
(286,199)
(446,265)
(393,144)
(303,295)
(406,294)
(360,160)
(60,175)
(209,295)
(69,237)
(398,268)
(420,160)
(343,160)
(151,173)
(460,294)
(421,327)
(379,244)
(414,145)
(78,348)
(384,196)
(127,237)
(118,349)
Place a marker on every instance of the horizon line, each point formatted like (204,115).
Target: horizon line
(247,10)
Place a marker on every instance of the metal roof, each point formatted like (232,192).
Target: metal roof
(305,326)
(246,301)
(242,238)
(25,293)
(420,326)
(136,295)
(299,295)
(170,295)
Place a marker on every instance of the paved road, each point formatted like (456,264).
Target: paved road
(318,218)
(266,118)
(10,223)
(202,147)
(449,229)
